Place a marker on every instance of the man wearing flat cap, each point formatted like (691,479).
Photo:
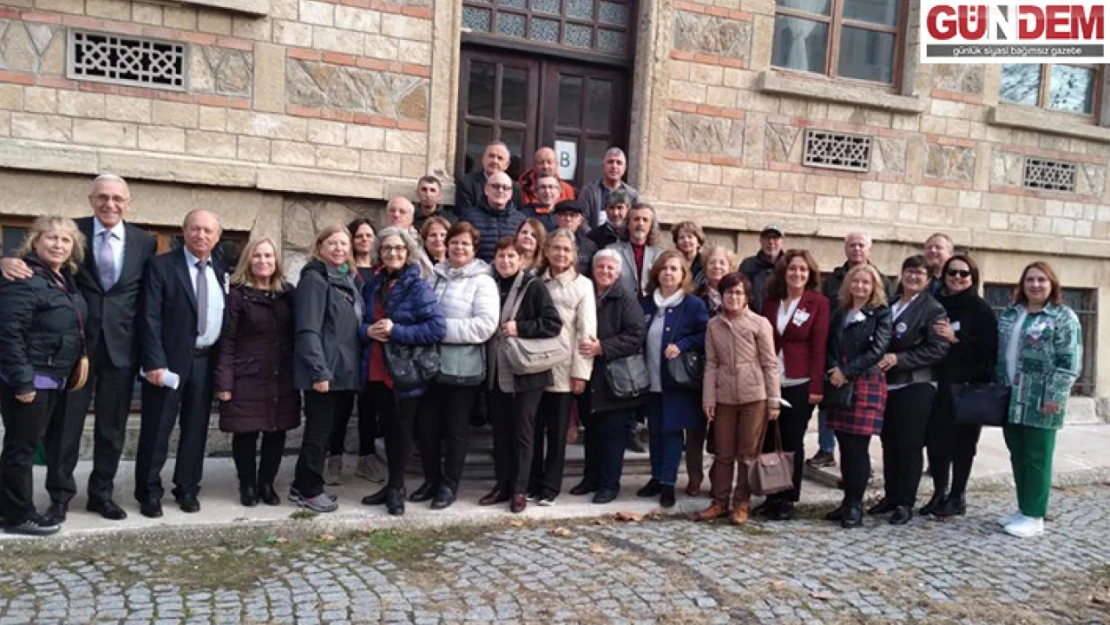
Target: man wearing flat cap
(761,267)
(571,215)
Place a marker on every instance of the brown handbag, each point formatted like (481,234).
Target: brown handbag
(771,472)
(79,376)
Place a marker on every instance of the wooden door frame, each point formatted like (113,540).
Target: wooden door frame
(531,113)
(618,122)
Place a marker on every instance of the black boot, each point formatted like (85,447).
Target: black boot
(837,513)
(268,496)
(651,489)
(783,512)
(377,498)
(934,503)
(444,497)
(953,505)
(248,495)
(424,493)
(902,515)
(853,515)
(395,501)
(666,496)
(885,505)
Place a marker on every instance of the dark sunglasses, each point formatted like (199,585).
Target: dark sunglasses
(963,273)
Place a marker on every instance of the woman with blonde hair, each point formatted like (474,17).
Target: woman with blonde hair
(327,352)
(42,340)
(254,373)
(855,392)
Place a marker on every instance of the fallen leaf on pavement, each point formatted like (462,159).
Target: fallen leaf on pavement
(597,549)
(561,532)
(684,551)
(630,517)
(823,595)
(516,523)
(327,537)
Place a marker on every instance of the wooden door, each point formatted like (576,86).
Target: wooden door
(498,100)
(587,106)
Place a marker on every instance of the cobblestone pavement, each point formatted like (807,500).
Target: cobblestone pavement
(602,571)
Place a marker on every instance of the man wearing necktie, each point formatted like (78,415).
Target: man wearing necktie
(110,279)
(183,312)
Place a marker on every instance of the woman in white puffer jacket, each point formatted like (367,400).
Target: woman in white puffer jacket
(467,293)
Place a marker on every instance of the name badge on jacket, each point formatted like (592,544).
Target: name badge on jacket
(800,317)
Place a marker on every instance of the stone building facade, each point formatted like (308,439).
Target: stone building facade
(289,114)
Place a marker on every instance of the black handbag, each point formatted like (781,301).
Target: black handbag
(980,404)
(687,371)
(627,377)
(838,397)
(410,366)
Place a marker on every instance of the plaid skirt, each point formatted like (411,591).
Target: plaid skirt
(865,417)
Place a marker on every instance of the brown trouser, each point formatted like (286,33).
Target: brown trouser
(738,436)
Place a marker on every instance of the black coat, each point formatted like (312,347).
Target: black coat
(327,345)
(537,318)
(621,332)
(858,348)
(759,270)
(168,325)
(915,341)
(419,218)
(40,326)
(112,313)
(586,251)
(973,358)
(256,362)
(830,286)
(604,235)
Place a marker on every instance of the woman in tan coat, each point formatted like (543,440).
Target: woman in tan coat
(740,393)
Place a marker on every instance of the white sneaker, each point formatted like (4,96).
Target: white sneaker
(1011,518)
(1026,527)
(332,471)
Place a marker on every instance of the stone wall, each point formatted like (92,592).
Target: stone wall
(329,97)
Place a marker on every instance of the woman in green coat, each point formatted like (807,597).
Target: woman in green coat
(1040,348)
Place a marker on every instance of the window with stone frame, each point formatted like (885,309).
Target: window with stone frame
(1064,88)
(852,39)
(1085,304)
(604,27)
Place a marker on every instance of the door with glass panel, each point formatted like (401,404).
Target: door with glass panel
(498,100)
(584,113)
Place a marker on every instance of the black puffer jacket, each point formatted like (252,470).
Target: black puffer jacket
(858,348)
(327,346)
(40,326)
(759,270)
(621,331)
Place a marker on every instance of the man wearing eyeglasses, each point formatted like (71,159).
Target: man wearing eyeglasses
(470,188)
(111,280)
(496,216)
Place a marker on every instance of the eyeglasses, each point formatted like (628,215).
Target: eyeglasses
(501,187)
(962,273)
(102,198)
(393,249)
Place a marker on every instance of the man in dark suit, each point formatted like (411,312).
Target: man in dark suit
(110,279)
(470,189)
(182,316)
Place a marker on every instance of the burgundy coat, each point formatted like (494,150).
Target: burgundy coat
(256,362)
(804,341)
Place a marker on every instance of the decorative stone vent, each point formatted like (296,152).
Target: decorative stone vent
(836,150)
(126,60)
(1049,175)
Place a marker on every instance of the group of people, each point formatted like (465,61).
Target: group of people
(528,301)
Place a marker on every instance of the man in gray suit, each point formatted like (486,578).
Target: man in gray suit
(638,250)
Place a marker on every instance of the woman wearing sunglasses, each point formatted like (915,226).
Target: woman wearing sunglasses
(972,335)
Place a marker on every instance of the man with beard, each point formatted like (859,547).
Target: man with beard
(616,211)
(428,197)
(638,250)
(544,164)
(595,194)
(761,267)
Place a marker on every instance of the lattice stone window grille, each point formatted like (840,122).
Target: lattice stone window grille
(126,60)
(836,150)
(1049,175)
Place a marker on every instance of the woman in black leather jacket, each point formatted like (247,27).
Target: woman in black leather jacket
(858,338)
(915,346)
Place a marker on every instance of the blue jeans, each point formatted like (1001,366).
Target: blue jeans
(665,447)
(826,442)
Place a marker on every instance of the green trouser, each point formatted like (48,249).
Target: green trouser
(1031,458)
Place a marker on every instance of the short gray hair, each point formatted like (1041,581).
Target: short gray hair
(189,217)
(106,178)
(610,254)
(406,237)
(615,151)
(403,201)
(863,235)
(620,196)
